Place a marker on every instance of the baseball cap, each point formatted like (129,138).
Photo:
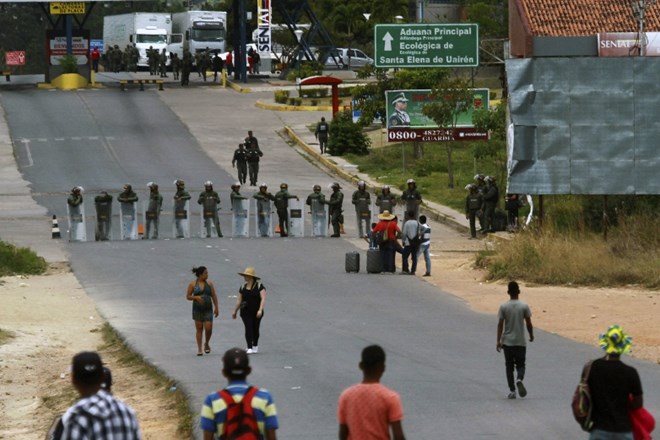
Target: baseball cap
(236,362)
(87,368)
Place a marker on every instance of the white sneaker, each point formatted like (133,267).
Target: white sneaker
(249,351)
(255,349)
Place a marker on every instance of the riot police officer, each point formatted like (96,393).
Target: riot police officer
(473,207)
(128,212)
(240,159)
(210,202)
(386,200)
(103,204)
(181,198)
(335,204)
(491,199)
(152,212)
(411,198)
(263,198)
(281,204)
(315,201)
(362,201)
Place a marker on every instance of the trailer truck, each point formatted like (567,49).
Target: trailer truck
(141,29)
(201,30)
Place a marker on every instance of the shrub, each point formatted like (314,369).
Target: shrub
(315,102)
(20,261)
(69,64)
(281,96)
(347,137)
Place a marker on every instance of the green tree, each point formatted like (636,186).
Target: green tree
(346,136)
(456,98)
(493,121)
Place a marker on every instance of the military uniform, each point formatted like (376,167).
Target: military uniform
(385,200)
(254,154)
(263,210)
(103,204)
(176,66)
(481,187)
(76,214)
(411,198)
(335,204)
(152,60)
(186,62)
(240,159)
(491,199)
(281,204)
(127,199)
(315,201)
(162,64)
(473,206)
(210,202)
(181,197)
(153,211)
(362,201)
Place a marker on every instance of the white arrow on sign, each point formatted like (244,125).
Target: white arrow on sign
(387,38)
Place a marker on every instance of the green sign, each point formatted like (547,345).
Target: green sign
(426,45)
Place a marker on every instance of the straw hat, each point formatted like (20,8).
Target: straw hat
(386,215)
(250,272)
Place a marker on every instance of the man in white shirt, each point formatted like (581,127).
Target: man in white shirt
(411,240)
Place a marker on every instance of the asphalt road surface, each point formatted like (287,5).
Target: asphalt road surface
(441,356)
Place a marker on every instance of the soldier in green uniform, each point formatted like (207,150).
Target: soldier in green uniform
(76,214)
(103,204)
(181,198)
(107,59)
(335,204)
(482,186)
(152,60)
(186,62)
(117,59)
(236,192)
(162,63)
(281,204)
(210,202)
(152,213)
(127,199)
(386,200)
(315,201)
(411,198)
(240,159)
(491,200)
(134,59)
(176,66)
(473,207)
(263,209)
(254,155)
(362,201)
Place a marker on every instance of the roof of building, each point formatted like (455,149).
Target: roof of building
(586,17)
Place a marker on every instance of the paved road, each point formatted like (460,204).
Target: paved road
(441,356)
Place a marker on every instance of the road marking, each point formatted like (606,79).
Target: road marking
(28,152)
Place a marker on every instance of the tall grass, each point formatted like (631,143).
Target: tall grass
(20,261)
(629,256)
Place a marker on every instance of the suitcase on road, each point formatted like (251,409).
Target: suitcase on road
(352,261)
(374,261)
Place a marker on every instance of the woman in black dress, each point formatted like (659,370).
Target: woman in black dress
(251,301)
(205,307)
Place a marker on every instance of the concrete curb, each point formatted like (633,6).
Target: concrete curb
(292,108)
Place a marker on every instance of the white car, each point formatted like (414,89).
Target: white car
(348,58)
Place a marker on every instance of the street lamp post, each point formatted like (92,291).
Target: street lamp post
(299,34)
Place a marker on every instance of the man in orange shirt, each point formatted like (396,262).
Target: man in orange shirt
(369,410)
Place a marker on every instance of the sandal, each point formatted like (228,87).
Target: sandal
(207,349)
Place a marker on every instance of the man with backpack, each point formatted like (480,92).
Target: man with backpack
(239,410)
(411,242)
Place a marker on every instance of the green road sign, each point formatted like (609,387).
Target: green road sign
(426,45)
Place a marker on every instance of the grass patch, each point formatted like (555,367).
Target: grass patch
(112,343)
(20,261)
(5,336)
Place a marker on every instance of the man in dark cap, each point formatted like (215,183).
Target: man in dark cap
(399,118)
(213,422)
(97,414)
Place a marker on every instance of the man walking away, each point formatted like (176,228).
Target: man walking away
(257,414)
(322,132)
(240,159)
(424,247)
(411,242)
(513,316)
(370,410)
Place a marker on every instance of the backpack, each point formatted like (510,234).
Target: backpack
(241,423)
(582,404)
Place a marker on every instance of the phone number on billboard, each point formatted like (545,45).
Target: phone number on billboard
(419,135)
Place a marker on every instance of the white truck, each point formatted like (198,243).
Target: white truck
(201,30)
(141,29)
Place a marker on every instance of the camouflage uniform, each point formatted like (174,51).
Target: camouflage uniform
(335,203)
(263,209)
(362,201)
(180,215)
(103,204)
(153,210)
(281,204)
(210,202)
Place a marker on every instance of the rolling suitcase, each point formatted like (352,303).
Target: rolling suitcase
(374,261)
(352,261)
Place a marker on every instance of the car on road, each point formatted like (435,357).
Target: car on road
(344,58)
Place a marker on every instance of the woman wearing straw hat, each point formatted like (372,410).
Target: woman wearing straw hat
(251,301)
(205,306)
(388,228)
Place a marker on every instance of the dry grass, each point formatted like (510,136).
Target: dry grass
(629,256)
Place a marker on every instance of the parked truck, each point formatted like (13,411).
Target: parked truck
(141,29)
(201,30)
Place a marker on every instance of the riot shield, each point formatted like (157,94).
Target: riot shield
(181,222)
(319,219)
(411,205)
(363,216)
(103,230)
(128,222)
(240,226)
(210,223)
(151,218)
(386,205)
(263,218)
(77,225)
(296,224)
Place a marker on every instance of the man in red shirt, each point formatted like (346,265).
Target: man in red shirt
(388,244)
(95,55)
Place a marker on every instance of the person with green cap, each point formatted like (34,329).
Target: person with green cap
(615,388)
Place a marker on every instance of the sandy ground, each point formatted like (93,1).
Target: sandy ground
(52,318)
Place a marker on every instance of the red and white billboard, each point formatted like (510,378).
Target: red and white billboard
(15,58)
(627,44)
(80,49)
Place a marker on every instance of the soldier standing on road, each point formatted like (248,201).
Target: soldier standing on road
(135,58)
(322,132)
(203,63)
(236,192)
(411,198)
(281,204)
(117,58)
(127,199)
(315,201)
(186,62)
(385,200)
(103,204)
(362,201)
(240,158)
(153,210)
(210,202)
(217,64)
(491,199)
(335,204)
(263,209)
(254,154)
(180,213)
(162,63)
(176,66)
(474,203)
(152,60)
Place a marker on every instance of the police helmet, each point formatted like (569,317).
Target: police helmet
(208,183)
(478,177)
(179,182)
(335,185)
(362,184)
(317,188)
(77,189)
(489,179)
(386,188)
(469,186)
(236,185)
(409,181)
(283,186)
(152,185)
(263,185)
(128,187)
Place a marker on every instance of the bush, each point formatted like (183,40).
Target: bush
(281,96)
(20,261)
(347,137)
(69,64)
(315,102)
(295,101)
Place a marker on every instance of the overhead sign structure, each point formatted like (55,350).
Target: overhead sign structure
(426,45)
(67,8)
(15,58)
(407,123)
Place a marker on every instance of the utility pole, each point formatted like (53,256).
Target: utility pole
(639,12)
